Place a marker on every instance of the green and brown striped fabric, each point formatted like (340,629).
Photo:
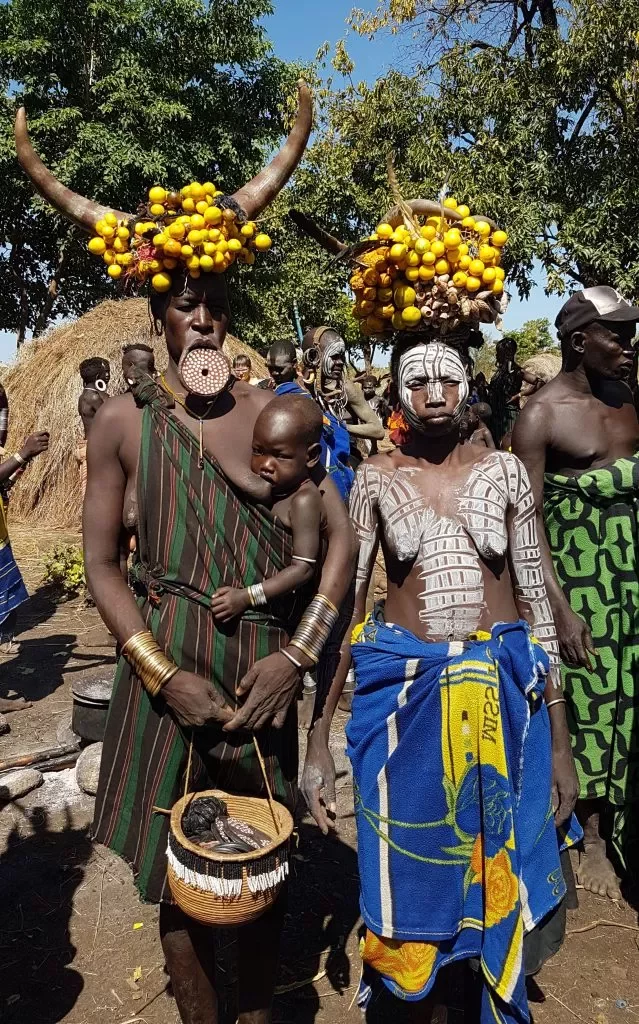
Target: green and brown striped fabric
(195,534)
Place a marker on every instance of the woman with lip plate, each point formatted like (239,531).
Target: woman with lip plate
(458,736)
(173,465)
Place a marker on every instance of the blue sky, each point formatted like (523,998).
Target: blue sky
(297,29)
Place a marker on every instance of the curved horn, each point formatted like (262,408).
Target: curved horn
(261,190)
(421,208)
(83,212)
(309,227)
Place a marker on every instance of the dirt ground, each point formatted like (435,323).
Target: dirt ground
(76,946)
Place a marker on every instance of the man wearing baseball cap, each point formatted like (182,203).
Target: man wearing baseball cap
(579,440)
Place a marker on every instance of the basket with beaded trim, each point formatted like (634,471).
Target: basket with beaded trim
(229,889)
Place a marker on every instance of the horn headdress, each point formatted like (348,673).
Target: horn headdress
(199,226)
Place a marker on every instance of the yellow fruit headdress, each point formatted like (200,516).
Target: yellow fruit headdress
(198,228)
(426,266)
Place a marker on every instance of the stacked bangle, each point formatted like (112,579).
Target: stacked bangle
(256,595)
(315,627)
(21,462)
(148,661)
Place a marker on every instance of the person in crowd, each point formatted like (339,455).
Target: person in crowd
(242,369)
(448,665)
(579,439)
(137,358)
(474,425)
(13,592)
(479,389)
(324,353)
(379,405)
(96,374)
(157,459)
(504,388)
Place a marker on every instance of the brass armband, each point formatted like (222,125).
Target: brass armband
(315,627)
(148,661)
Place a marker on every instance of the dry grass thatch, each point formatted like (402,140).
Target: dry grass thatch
(43,387)
(545,365)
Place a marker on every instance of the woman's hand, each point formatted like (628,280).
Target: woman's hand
(575,639)
(34,445)
(318,781)
(271,685)
(194,700)
(229,602)
(565,785)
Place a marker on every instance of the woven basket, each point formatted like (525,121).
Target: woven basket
(229,889)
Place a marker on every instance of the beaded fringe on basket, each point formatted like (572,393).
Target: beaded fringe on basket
(224,878)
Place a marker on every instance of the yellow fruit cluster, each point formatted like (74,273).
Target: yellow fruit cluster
(177,227)
(428,272)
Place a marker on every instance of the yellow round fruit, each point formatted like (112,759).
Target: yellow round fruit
(193,262)
(452,238)
(194,237)
(139,227)
(489,275)
(453,255)
(156,209)
(123,232)
(209,188)
(499,239)
(235,245)
(186,251)
(411,316)
(222,246)
(114,271)
(369,293)
(388,311)
(214,234)
(161,282)
(111,220)
(172,247)
(500,273)
(438,247)
(119,245)
(442,267)
(357,312)
(104,229)
(398,235)
(108,256)
(384,231)
(463,211)
(124,259)
(459,279)
(450,203)
(155,265)
(413,259)
(469,222)
(262,242)
(404,296)
(421,246)
(170,264)
(370,276)
(198,222)
(149,227)
(429,259)
(212,215)
(375,324)
(197,190)
(428,232)
(487,253)
(463,249)
(366,306)
(160,239)
(476,268)
(398,252)
(188,205)
(464,262)
(228,214)
(473,284)
(97,246)
(482,227)
(498,287)
(398,321)
(202,206)
(426,273)
(206,263)
(157,194)
(412,274)
(247,230)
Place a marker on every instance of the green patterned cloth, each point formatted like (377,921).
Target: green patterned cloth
(592,528)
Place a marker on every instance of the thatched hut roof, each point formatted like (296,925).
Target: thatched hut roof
(43,387)
(544,365)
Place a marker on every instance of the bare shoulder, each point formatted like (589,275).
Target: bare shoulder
(116,417)
(535,420)
(353,390)
(307,500)
(249,397)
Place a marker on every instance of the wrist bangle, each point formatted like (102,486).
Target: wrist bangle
(21,462)
(256,595)
(558,700)
(148,661)
(293,660)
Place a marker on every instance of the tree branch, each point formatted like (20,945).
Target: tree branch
(583,117)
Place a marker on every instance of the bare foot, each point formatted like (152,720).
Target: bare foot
(595,872)
(18,704)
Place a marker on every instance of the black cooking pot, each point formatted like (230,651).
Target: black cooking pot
(90,708)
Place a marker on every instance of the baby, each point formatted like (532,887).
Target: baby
(286,447)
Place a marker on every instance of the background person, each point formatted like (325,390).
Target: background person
(96,374)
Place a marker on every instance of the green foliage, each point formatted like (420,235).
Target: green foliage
(533,338)
(64,568)
(120,96)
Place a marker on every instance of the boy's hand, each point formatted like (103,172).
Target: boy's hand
(228,602)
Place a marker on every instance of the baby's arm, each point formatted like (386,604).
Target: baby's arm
(306,517)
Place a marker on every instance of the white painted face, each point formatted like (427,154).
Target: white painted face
(330,352)
(432,367)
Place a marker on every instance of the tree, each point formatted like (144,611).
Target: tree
(532,339)
(528,109)
(119,97)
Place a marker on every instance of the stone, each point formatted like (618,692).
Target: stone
(13,785)
(65,734)
(87,769)
(4,726)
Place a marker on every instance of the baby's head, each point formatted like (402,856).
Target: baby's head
(286,442)
(483,410)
